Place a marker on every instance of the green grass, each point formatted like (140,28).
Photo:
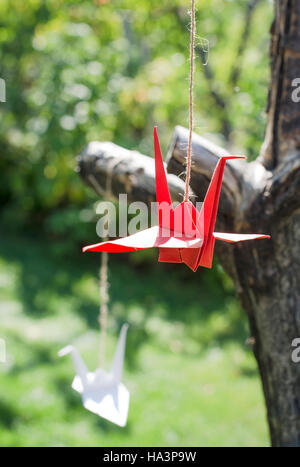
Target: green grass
(192,379)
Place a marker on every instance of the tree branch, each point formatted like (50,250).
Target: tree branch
(246,188)
(131,172)
(237,66)
(216,96)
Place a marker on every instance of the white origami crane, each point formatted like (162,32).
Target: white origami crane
(102,392)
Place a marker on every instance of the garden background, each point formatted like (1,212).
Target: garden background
(109,70)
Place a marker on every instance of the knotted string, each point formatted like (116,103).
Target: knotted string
(192,53)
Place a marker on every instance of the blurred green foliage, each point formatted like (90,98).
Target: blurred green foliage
(80,70)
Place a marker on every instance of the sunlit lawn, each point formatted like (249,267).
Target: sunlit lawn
(191,377)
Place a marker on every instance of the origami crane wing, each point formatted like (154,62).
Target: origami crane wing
(234,238)
(150,238)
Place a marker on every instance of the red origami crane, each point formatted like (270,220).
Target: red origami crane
(183,235)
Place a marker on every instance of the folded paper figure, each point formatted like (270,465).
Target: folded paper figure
(184,235)
(102,392)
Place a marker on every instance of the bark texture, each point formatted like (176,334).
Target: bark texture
(130,172)
(258,197)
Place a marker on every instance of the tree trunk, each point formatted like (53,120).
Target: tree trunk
(261,196)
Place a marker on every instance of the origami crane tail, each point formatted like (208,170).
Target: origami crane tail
(163,198)
(207,218)
(78,363)
(117,366)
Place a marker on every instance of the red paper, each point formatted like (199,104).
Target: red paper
(183,235)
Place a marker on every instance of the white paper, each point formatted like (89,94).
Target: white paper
(102,392)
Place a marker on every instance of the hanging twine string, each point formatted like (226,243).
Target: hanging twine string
(103,276)
(103,288)
(192,53)
(104,297)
